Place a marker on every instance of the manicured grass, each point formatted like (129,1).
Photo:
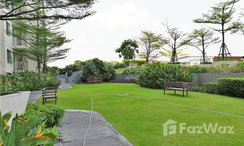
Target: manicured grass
(119,70)
(140,120)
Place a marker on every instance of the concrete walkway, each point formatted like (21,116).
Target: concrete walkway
(75,123)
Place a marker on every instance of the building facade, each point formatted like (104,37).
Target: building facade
(10,62)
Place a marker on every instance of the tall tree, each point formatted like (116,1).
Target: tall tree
(175,40)
(127,50)
(222,15)
(54,41)
(54,9)
(169,52)
(150,44)
(41,42)
(201,39)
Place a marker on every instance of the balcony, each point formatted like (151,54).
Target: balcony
(21,66)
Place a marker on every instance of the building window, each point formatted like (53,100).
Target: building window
(9,57)
(8,28)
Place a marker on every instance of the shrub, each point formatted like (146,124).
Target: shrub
(225,59)
(206,63)
(117,65)
(52,113)
(134,80)
(155,74)
(26,81)
(198,89)
(174,63)
(53,70)
(196,69)
(129,71)
(69,73)
(97,68)
(231,86)
(211,87)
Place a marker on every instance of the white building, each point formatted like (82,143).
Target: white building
(193,60)
(10,62)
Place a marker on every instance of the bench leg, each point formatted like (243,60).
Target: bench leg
(175,91)
(55,101)
(164,91)
(42,101)
(183,93)
(186,92)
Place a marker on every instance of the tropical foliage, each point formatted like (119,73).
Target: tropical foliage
(97,68)
(155,74)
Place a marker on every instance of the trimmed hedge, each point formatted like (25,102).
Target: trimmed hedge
(231,87)
(211,87)
(206,63)
(134,80)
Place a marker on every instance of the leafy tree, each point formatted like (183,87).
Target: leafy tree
(54,9)
(222,14)
(150,44)
(169,52)
(43,43)
(201,39)
(175,40)
(53,42)
(127,50)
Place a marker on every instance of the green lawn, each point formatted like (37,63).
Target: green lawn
(120,70)
(140,120)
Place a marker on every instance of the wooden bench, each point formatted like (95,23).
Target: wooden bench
(48,93)
(94,80)
(181,86)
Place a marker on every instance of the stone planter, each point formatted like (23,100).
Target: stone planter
(14,102)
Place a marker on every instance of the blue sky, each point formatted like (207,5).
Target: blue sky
(116,20)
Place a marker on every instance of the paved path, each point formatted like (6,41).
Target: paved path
(75,124)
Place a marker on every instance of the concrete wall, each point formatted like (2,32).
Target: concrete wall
(200,78)
(74,78)
(122,76)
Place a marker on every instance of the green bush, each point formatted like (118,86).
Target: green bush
(26,81)
(134,80)
(97,68)
(196,69)
(155,74)
(52,113)
(231,86)
(117,65)
(211,87)
(198,89)
(206,63)
(129,71)
(174,63)
(225,59)
(53,70)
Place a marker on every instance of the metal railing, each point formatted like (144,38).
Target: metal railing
(20,66)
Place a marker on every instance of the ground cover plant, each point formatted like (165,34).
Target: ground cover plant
(140,120)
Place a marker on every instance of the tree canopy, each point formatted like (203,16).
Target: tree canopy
(42,40)
(127,50)
(175,40)
(150,44)
(201,39)
(54,9)
(222,15)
